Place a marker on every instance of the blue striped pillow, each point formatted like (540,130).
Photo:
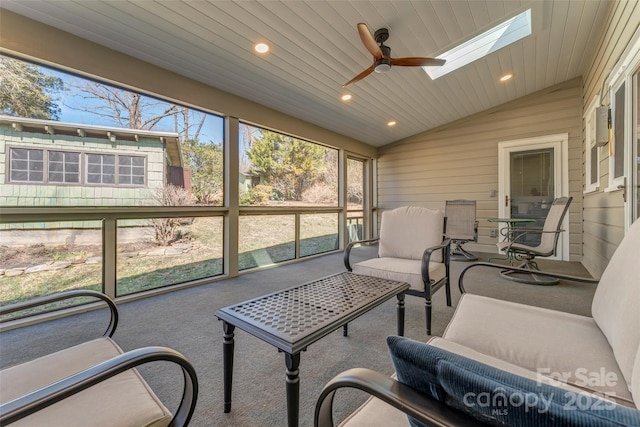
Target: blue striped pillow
(497,397)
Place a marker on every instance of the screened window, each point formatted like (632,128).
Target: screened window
(27,165)
(131,170)
(64,167)
(101,168)
(278,169)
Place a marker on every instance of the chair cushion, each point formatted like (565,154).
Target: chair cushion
(123,400)
(376,413)
(616,302)
(407,231)
(402,270)
(546,341)
(495,396)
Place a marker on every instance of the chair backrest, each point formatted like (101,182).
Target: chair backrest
(616,303)
(407,231)
(461,219)
(552,225)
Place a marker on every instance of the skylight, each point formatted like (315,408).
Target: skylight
(482,45)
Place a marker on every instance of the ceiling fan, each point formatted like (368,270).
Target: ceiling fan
(382,60)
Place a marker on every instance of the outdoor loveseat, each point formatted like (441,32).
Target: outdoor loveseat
(91,384)
(503,363)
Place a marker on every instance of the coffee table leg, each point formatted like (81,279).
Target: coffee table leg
(293,388)
(227,360)
(401,314)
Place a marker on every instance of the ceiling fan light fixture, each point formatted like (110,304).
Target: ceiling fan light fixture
(382,67)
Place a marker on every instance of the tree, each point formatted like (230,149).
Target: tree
(207,166)
(25,91)
(288,164)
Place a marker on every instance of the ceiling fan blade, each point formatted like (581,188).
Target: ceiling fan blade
(368,41)
(417,62)
(360,76)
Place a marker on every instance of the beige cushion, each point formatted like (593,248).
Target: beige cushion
(542,340)
(124,400)
(402,270)
(467,352)
(616,303)
(376,413)
(407,231)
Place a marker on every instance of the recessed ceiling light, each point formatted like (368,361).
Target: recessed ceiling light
(506,77)
(261,48)
(391,123)
(346,97)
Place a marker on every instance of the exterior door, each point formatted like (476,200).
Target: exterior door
(532,173)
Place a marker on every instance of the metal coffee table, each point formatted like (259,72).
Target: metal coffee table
(294,318)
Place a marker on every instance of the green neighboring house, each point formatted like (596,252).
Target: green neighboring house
(50,163)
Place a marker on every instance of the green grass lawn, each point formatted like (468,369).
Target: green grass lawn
(263,239)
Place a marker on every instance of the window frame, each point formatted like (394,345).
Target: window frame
(8,175)
(64,172)
(82,168)
(589,144)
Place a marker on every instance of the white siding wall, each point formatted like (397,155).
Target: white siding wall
(460,160)
(604,212)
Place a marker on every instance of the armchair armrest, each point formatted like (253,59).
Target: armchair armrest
(522,270)
(17,409)
(347,250)
(445,246)
(113,322)
(423,408)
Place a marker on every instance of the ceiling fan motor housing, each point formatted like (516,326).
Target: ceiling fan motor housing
(384,64)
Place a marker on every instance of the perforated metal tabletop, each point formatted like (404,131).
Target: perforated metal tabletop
(294,318)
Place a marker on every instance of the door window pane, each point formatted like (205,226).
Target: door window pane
(355,199)
(532,188)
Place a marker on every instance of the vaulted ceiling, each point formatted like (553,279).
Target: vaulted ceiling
(315,49)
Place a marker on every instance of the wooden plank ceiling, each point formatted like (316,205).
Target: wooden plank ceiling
(315,49)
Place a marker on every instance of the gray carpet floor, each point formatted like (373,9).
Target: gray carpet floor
(185,320)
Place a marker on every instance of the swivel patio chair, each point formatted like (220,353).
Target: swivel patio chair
(549,235)
(462,227)
(94,383)
(412,249)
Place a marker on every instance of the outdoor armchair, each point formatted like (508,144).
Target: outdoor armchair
(411,248)
(93,384)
